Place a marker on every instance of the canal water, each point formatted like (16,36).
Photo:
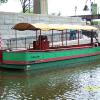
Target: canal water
(79,82)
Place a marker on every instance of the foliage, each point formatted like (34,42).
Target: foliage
(95,22)
(3,1)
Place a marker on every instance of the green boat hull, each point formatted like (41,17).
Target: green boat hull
(54,64)
(49,59)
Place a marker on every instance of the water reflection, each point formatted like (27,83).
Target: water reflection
(75,83)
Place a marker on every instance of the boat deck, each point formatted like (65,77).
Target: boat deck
(53,48)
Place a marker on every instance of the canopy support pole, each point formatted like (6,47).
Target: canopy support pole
(16,38)
(36,35)
(66,37)
(62,38)
(25,42)
(78,37)
(52,38)
(40,40)
(91,38)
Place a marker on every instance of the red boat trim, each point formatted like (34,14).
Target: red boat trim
(66,57)
(17,62)
(49,59)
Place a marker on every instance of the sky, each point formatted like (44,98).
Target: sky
(65,7)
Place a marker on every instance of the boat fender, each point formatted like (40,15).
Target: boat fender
(8,50)
(95,44)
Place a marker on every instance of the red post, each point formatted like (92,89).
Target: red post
(0,42)
(40,40)
(66,37)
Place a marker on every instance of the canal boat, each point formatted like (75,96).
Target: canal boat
(44,54)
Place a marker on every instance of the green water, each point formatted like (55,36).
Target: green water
(81,82)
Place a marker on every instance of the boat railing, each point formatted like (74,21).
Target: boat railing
(62,48)
(73,47)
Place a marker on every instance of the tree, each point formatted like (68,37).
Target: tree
(3,1)
(27,5)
